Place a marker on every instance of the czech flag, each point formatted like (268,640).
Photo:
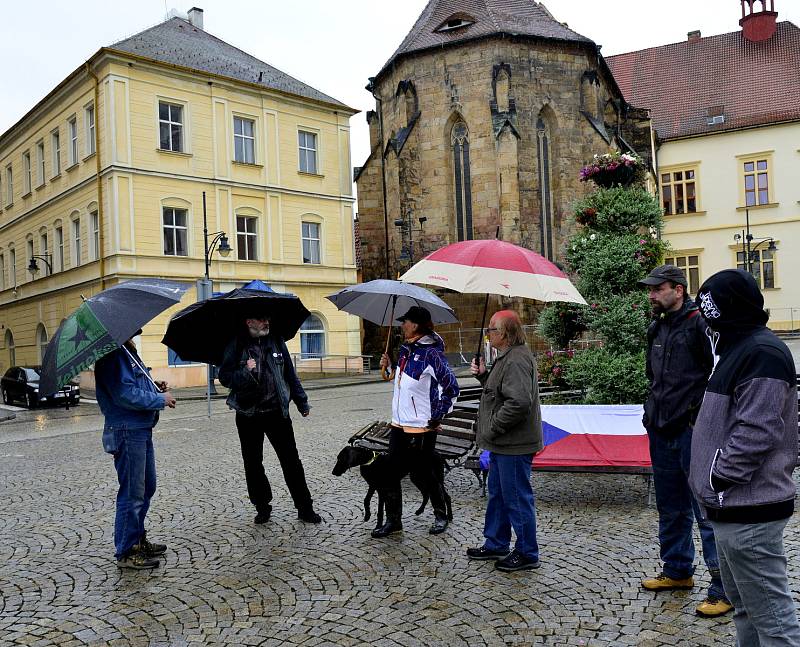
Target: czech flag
(589,435)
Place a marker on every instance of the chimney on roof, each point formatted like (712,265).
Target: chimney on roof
(758,26)
(196,17)
(693,36)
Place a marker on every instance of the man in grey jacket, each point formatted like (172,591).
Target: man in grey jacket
(744,451)
(510,427)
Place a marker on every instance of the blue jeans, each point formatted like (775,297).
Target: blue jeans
(134,460)
(678,510)
(511,504)
(753,565)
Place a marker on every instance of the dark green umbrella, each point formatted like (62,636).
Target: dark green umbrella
(201,332)
(101,324)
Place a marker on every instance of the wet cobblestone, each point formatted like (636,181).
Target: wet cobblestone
(226,581)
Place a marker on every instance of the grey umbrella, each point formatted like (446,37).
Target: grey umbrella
(382,301)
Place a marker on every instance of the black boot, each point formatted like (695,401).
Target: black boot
(393,501)
(440,501)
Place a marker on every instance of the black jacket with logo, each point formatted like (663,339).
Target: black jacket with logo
(679,361)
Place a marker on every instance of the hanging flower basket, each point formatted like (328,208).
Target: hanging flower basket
(614,169)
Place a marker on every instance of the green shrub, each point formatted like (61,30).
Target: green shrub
(619,210)
(609,376)
(560,323)
(621,320)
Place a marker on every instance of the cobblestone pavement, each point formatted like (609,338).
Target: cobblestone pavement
(226,581)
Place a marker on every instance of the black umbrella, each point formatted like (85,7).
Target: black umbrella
(101,324)
(201,332)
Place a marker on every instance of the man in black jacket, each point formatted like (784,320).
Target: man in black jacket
(259,372)
(744,452)
(679,361)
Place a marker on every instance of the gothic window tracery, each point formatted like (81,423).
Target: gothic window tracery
(459,140)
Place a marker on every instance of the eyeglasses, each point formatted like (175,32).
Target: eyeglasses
(492,329)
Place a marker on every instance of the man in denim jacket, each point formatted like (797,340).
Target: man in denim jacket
(130,403)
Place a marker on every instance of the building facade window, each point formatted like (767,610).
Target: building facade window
(246,238)
(756,182)
(312,338)
(12,351)
(55,143)
(40,163)
(690,264)
(43,250)
(762,264)
(76,242)
(244,140)
(94,230)
(311,243)
(41,341)
(459,141)
(307,144)
(170,127)
(29,246)
(545,188)
(72,129)
(12,267)
(679,192)
(175,232)
(90,125)
(2,272)
(9,185)
(58,250)
(27,179)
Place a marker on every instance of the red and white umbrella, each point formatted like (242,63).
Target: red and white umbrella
(494,267)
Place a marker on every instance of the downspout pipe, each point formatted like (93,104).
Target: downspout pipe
(379,104)
(100,211)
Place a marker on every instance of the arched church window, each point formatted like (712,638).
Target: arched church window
(545,189)
(459,140)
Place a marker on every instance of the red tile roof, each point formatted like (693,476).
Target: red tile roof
(516,17)
(755,83)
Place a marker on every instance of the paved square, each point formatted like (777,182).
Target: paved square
(225,581)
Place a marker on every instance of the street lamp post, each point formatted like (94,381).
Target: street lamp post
(46,258)
(749,251)
(406,225)
(220,242)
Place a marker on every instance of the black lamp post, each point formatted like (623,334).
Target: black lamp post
(406,225)
(749,251)
(33,266)
(219,241)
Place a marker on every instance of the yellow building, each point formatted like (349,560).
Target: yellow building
(106,179)
(727,119)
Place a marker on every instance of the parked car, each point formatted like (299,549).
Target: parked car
(21,384)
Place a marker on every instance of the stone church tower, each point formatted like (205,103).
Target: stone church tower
(483,118)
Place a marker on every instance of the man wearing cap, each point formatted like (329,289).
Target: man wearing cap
(424,391)
(679,361)
(744,451)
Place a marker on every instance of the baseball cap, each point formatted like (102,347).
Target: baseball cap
(417,315)
(665,273)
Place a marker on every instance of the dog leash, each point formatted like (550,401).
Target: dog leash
(371,460)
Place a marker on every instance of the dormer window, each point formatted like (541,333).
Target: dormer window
(456,21)
(716,115)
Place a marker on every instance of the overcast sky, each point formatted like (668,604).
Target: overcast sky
(332,46)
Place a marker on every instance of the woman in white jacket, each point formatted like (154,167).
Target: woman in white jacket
(424,391)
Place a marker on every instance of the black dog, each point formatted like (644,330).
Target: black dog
(374,468)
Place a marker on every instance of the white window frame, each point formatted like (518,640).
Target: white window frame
(9,185)
(31,251)
(303,150)
(40,168)
(243,236)
(72,131)
(76,241)
(94,231)
(2,272)
(12,259)
(313,331)
(182,123)
(90,119)
(174,230)
(247,140)
(27,173)
(58,249)
(310,239)
(43,250)
(55,143)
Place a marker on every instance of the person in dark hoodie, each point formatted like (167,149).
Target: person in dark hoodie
(679,362)
(424,391)
(744,450)
(258,370)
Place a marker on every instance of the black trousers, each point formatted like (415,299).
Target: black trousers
(280,434)
(414,453)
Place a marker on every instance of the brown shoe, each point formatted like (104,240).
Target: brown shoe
(713,607)
(663,582)
(138,561)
